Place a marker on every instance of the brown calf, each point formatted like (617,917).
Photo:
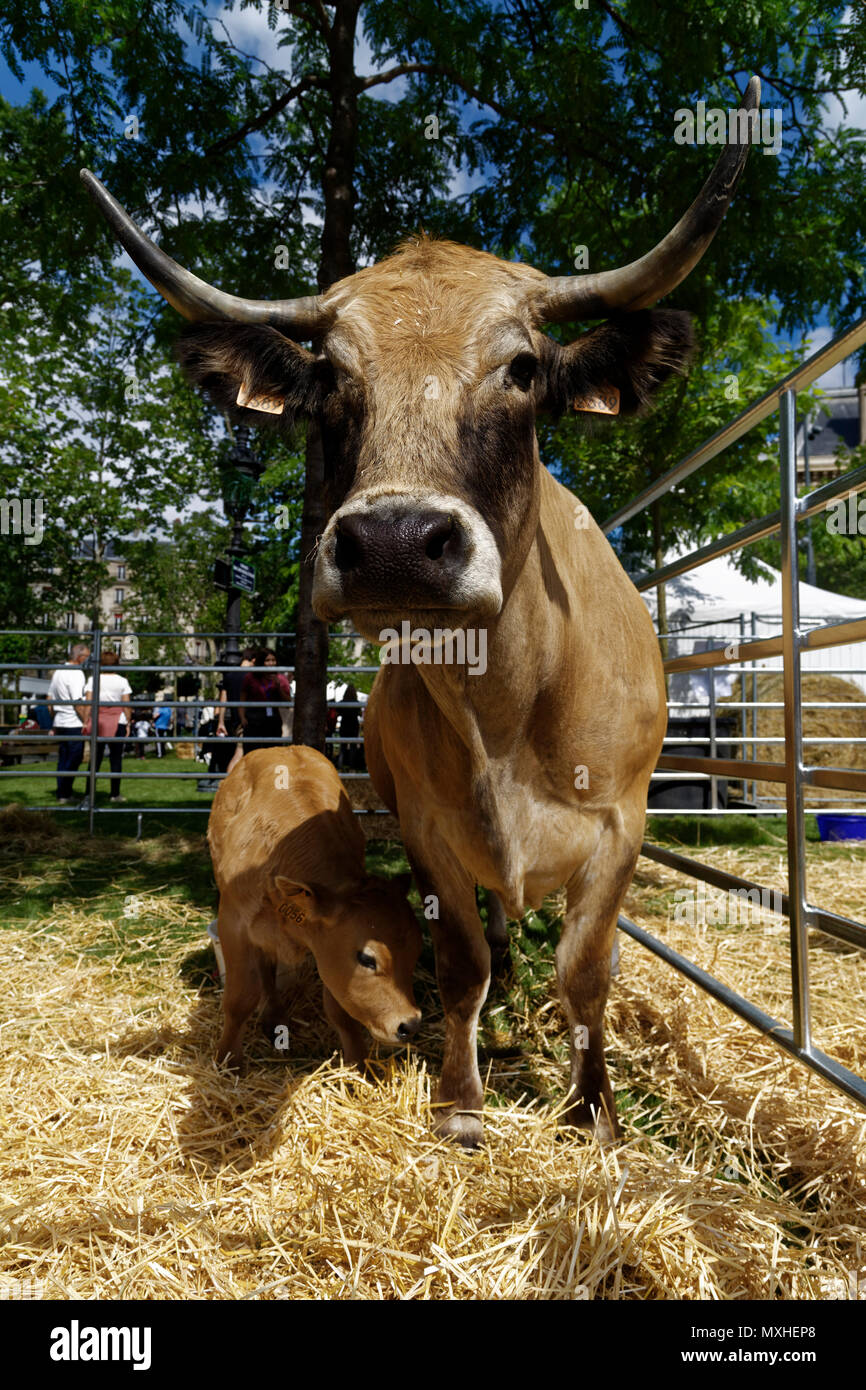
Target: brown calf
(288,857)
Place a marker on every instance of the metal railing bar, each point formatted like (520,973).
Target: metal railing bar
(831,923)
(756,530)
(840,778)
(831,635)
(815,501)
(846,779)
(732,540)
(802,376)
(795,824)
(832,1071)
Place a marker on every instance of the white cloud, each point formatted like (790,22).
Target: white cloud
(248,30)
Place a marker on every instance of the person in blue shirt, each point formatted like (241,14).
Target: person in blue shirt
(162,717)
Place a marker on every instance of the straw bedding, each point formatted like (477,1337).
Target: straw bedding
(130,1167)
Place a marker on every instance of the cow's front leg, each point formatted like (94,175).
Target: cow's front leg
(583,969)
(463,973)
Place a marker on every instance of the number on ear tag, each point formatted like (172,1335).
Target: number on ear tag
(605,402)
(271,405)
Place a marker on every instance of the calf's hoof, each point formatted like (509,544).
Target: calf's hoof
(463,1126)
(231,1061)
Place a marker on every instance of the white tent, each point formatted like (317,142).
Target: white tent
(716,604)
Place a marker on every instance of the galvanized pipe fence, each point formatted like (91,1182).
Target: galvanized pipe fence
(792,774)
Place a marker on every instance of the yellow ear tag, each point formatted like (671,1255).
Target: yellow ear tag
(606,402)
(271,405)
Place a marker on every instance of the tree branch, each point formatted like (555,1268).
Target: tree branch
(257,122)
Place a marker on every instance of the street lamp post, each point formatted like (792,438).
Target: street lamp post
(239,473)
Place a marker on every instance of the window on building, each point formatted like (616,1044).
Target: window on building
(70,620)
(118,596)
(121,571)
(118,621)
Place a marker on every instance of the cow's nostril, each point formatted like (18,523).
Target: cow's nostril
(439,534)
(409,1028)
(347,550)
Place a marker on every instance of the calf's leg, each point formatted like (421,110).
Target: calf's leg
(353,1040)
(243,987)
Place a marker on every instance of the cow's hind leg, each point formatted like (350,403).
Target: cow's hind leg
(583,968)
(463,973)
(496,933)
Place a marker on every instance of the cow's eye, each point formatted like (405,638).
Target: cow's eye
(368,961)
(522,370)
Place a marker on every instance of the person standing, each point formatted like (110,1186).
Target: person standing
(229,725)
(114,718)
(162,719)
(66,701)
(263,695)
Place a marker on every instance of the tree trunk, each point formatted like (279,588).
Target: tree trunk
(311,652)
(338,186)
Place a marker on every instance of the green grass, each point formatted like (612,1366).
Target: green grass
(178,794)
(723,830)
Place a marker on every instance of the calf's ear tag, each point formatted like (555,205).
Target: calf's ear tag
(271,405)
(603,402)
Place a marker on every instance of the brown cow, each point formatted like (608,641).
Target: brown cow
(288,857)
(428,373)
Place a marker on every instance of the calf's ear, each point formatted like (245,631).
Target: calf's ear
(298,901)
(617,368)
(250,370)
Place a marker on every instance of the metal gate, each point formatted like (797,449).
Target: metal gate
(790,644)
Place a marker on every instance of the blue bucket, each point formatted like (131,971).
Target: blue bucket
(833,827)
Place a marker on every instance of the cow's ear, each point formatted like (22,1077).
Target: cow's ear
(616,368)
(252,371)
(288,888)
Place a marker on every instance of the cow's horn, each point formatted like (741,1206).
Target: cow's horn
(643,282)
(188,294)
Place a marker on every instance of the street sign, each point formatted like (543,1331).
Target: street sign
(243,577)
(234,575)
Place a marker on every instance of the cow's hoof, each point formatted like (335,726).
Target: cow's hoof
(605,1129)
(464,1127)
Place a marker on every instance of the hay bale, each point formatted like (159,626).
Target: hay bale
(817,723)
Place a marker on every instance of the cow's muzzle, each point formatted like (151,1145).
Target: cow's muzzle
(402,554)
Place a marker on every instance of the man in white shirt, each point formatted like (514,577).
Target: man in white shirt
(114,716)
(66,702)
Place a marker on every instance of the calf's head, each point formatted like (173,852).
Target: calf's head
(425,379)
(366,944)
